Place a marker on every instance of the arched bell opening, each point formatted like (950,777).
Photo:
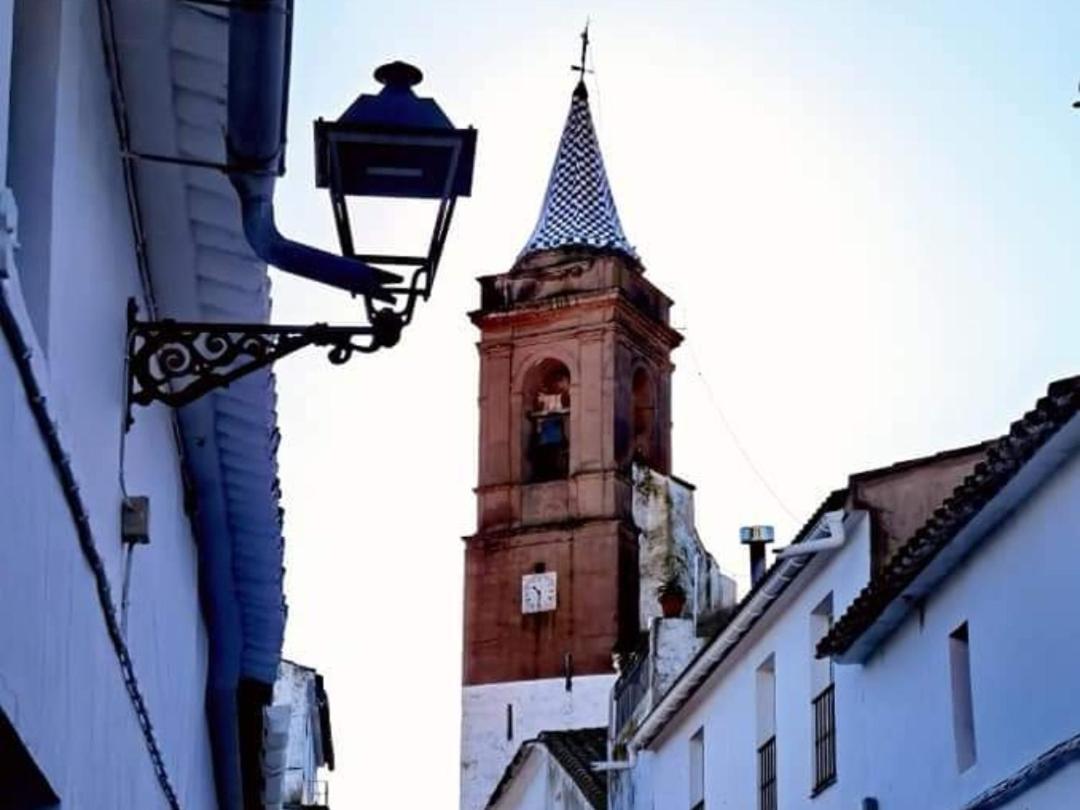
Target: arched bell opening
(547,422)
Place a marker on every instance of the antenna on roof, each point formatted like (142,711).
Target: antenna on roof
(584,51)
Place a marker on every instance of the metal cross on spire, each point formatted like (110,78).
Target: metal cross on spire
(584,52)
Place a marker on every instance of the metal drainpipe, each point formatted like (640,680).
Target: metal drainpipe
(260,40)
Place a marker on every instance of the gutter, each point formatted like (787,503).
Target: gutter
(627,764)
(833,524)
(259,57)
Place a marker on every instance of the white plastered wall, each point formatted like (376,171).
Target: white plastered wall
(60,684)
(542,705)
(726,705)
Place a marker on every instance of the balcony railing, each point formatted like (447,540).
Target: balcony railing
(631,689)
(824,707)
(766,758)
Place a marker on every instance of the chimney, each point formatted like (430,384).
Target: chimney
(757,537)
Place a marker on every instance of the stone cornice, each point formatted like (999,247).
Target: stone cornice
(613,304)
(525,534)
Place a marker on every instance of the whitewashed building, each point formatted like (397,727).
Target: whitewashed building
(141,604)
(918,646)
(298,742)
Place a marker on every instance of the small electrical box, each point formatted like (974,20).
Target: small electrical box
(135,519)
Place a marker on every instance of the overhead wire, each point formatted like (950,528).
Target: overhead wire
(713,399)
(733,434)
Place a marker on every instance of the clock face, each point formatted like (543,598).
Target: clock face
(538,592)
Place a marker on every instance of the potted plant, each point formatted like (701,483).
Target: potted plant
(672,599)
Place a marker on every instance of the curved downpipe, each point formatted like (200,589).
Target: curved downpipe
(260,39)
(260,33)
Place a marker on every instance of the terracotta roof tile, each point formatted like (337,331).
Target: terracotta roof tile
(575,751)
(1005,457)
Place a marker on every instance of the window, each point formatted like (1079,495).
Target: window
(822,701)
(962,707)
(32,147)
(697,770)
(766,734)
(547,398)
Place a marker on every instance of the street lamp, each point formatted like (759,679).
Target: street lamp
(394,144)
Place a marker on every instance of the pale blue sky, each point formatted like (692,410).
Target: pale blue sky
(867,215)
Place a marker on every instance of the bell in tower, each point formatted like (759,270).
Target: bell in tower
(549,440)
(575,386)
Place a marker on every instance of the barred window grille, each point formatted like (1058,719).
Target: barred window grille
(767,775)
(824,706)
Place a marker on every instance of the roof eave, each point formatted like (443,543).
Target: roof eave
(1040,467)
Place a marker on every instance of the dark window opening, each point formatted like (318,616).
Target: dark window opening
(548,413)
(962,703)
(22,784)
(252,698)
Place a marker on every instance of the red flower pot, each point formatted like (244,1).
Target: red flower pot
(672,601)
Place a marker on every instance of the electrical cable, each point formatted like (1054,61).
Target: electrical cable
(735,440)
(22,353)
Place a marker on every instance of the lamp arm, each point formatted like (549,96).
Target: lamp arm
(176,362)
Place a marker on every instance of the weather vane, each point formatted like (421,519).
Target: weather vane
(584,51)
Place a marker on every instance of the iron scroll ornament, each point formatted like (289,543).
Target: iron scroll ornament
(176,362)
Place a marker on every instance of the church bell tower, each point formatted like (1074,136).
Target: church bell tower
(575,385)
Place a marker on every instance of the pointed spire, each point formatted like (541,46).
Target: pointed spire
(578,208)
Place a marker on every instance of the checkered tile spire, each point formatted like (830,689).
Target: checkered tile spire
(578,208)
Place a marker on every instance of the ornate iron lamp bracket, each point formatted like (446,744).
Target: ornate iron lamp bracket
(176,362)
